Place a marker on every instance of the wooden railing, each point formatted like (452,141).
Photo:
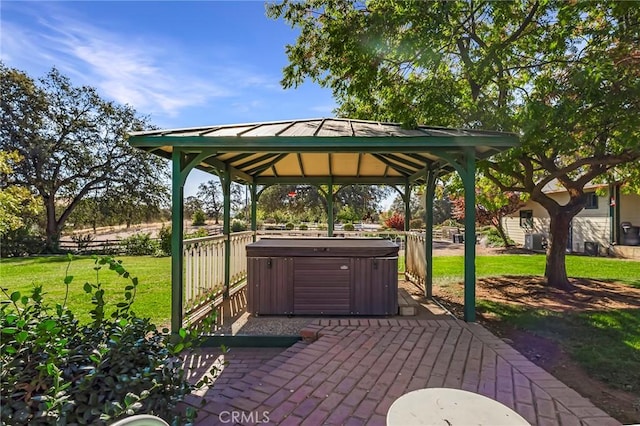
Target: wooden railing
(415,260)
(239,241)
(204,271)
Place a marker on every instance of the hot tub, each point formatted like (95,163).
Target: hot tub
(322,276)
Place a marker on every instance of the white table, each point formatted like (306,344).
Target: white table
(450,407)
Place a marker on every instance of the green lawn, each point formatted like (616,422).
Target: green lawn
(625,271)
(154,291)
(605,343)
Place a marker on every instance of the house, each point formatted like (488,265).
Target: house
(609,224)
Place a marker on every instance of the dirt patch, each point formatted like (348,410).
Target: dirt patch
(530,292)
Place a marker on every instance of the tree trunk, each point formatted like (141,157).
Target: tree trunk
(52,241)
(556,270)
(498,225)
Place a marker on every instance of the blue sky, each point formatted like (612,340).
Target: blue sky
(182,63)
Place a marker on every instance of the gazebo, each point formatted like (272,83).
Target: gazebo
(327,152)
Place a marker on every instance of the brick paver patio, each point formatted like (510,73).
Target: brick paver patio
(349,372)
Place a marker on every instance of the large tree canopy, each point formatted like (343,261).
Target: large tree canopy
(74,144)
(565,75)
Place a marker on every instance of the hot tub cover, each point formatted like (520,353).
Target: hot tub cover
(322,247)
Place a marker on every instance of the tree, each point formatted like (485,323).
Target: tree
(74,144)
(191,205)
(310,202)
(210,194)
(17,203)
(564,75)
(490,209)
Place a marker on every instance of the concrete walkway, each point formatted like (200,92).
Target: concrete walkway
(349,372)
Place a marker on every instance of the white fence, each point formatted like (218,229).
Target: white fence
(204,269)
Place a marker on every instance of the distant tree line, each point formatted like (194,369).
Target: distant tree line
(66,150)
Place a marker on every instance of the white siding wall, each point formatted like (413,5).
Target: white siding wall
(590,229)
(588,225)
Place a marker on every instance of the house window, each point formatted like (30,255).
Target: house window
(526,219)
(592,200)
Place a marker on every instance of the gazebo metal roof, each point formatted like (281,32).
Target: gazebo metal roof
(312,150)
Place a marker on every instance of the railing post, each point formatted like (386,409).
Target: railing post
(226,229)
(330,209)
(254,209)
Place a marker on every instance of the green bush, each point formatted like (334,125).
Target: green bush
(164,239)
(238,226)
(199,218)
(199,233)
(416,223)
(140,245)
(20,242)
(289,226)
(56,370)
(494,239)
(303,227)
(348,227)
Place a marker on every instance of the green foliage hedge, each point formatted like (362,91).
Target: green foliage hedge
(199,218)
(238,226)
(140,245)
(56,370)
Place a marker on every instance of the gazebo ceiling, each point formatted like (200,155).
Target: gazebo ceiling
(315,150)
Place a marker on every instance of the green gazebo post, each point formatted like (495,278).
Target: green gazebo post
(428,238)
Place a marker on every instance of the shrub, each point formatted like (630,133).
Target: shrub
(416,223)
(21,242)
(199,233)
(494,239)
(140,245)
(56,370)
(289,226)
(303,227)
(198,218)
(348,227)
(164,239)
(82,241)
(395,221)
(238,226)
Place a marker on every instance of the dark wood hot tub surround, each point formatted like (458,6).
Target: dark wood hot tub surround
(322,276)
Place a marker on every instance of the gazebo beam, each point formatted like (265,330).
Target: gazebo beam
(338,180)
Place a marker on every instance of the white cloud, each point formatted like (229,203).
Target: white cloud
(153,75)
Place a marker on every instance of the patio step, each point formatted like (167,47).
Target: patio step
(407,305)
